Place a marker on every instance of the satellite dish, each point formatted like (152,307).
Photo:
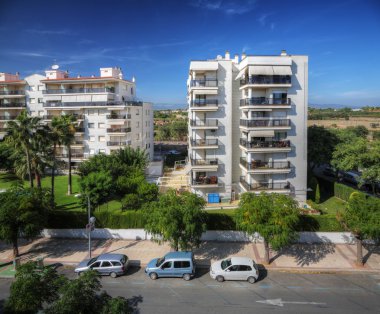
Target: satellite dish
(55,66)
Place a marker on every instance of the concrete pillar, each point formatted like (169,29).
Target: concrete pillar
(249,92)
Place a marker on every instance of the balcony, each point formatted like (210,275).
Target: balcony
(203,164)
(204,83)
(6,118)
(204,87)
(73,155)
(266,146)
(265,81)
(50,117)
(204,144)
(53,104)
(280,124)
(204,105)
(78,91)
(263,102)
(13,105)
(117,116)
(258,166)
(77,143)
(208,124)
(205,182)
(79,130)
(116,144)
(12,92)
(277,187)
(118,130)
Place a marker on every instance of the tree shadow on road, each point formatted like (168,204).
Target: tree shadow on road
(307,254)
(371,249)
(134,303)
(217,250)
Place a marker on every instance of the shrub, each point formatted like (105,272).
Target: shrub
(130,201)
(343,191)
(317,195)
(219,221)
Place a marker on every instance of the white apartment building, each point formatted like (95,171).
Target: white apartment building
(248,125)
(108,114)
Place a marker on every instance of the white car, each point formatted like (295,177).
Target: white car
(235,268)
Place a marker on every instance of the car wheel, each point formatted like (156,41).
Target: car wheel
(186,277)
(220,278)
(113,275)
(252,279)
(153,276)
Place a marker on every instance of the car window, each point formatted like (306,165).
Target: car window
(181,264)
(106,264)
(96,264)
(160,261)
(116,264)
(92,260)
(225,263)
(234,268)
(244,268)
(124,259)
(167,265)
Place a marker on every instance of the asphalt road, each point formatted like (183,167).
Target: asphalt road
(274,292)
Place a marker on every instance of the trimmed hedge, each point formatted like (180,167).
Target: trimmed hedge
(343,191)
(129,219)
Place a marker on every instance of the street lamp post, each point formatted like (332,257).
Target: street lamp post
(91,224)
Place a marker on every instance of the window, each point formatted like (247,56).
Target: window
(102,151)
(131,90)
(96,264)
(102,138)
(137,136)
(244,268)
(90,125)
(137,124)
(40,100)
(106,264)
(101,125)
(234,268)
(92,138)
(32,100)
(116,263)
(32,88)
(167,265)
(40,87)
(181,264)
(137,112)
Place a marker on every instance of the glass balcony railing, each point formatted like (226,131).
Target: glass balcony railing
(200,143)
(116,116)
(204,162)
(264,123)
(50,117)
(201,103)
(79,90)
(116,143)
(118,130)
(265,144)
(263,186)
(12,104)
(262,101)
(258,164)
(267,80)
(204,83)
(206,180)
(8,117)
(206,123)
(12,92)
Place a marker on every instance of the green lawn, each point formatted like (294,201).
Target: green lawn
(331,205)
(229,212)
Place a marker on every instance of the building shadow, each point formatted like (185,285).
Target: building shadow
(134,302)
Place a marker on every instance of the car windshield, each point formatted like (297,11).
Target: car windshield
(160,261)
(226,263)
(92,260)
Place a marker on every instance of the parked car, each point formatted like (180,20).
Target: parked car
(235,268)
(330,171)
(105,264)
(351,177)
(173,264)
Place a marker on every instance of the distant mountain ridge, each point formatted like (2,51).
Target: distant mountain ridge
(163,106)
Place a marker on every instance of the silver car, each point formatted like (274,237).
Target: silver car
(235,268)
(105,264)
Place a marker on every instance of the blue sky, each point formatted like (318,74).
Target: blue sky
(155,40)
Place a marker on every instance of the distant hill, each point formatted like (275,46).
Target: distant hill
(335,106)
(161,106)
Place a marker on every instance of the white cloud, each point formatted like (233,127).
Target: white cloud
(48,31)
(228,7)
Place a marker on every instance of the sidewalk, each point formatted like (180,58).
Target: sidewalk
(298,258)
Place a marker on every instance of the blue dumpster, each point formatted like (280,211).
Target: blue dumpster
(213,198)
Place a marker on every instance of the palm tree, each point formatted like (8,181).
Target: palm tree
(68,127)
(20,133)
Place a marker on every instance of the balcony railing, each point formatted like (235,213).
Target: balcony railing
(208,122)
(258,164)
(204,103)
(12,92)
(116,143)
(78,90)
(263,186)
(50,117)
(73,155)
(264,123)
(204,162)
(262,101)
(267,79)
(78,143)
(8,117)
(116,116)
(204,83)
(211,180)
(13,104)
(200,143)
(265,144)
(79,130)
(118,130)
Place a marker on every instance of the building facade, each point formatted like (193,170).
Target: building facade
(108,114)
(247,125)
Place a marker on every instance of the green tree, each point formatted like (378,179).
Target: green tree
(317,194)
(136,158)
(82,296)
(20,133)
(273,216)
(6,152)
(362,218)
(22,211)
(178,219)
(33,286)
(178,130)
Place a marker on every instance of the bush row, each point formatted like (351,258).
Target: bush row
(133,219)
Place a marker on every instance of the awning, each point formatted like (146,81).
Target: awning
(240,75)
(205,91)
(282,70)
(203,66)
(260,70)
(265,133)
